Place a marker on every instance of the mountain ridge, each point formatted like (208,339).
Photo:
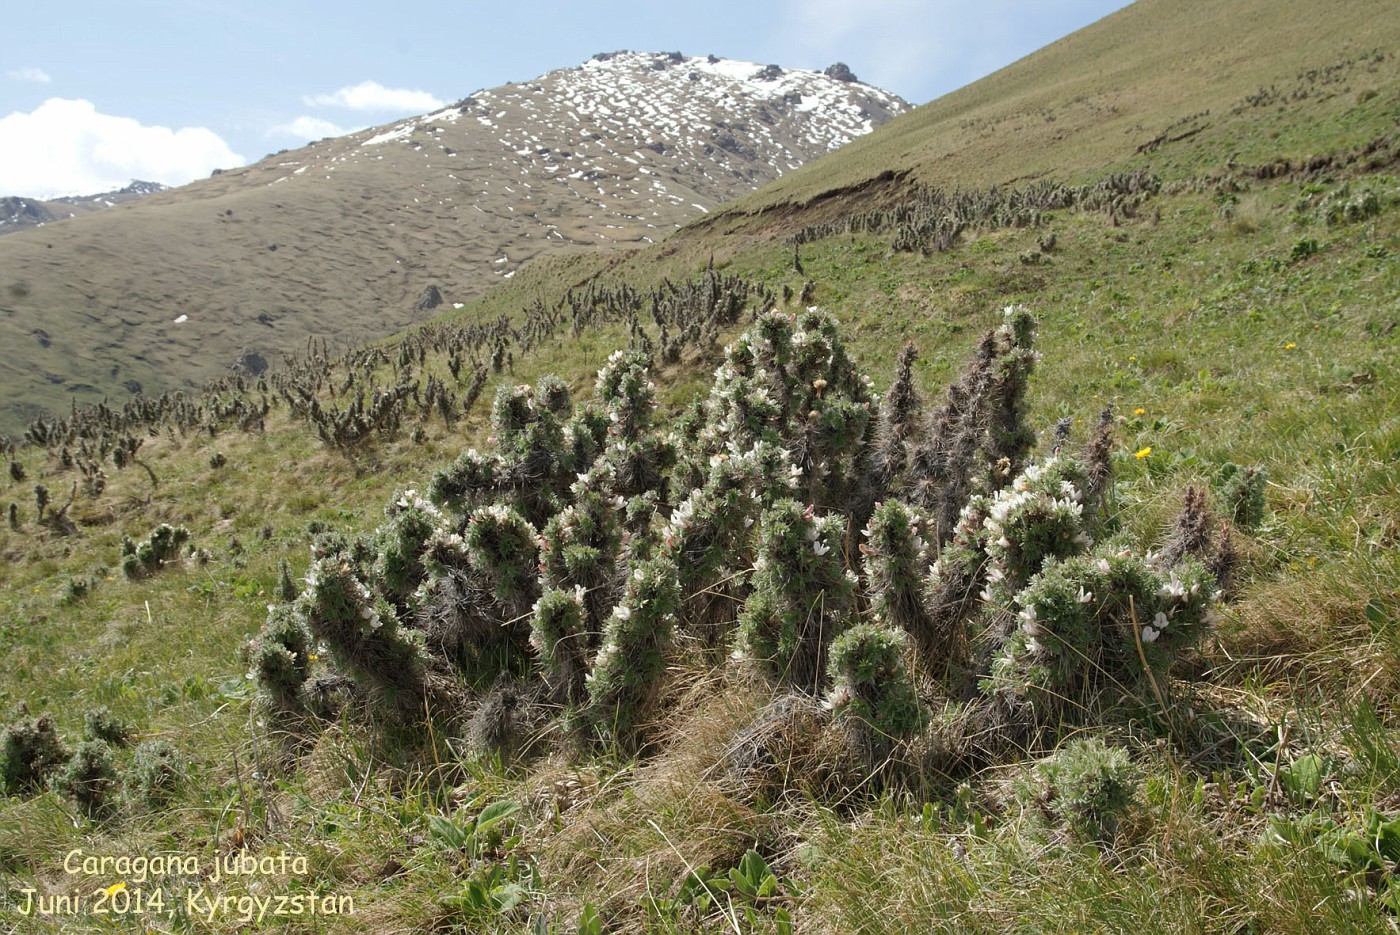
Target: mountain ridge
(347,236)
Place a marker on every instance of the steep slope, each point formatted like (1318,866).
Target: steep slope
(355,237)
(1176,80)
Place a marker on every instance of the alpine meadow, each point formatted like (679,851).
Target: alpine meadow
(989,526)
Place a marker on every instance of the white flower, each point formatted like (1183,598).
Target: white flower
(622,612)
(1033,646)
(1084,597)
(1148,634)
(1103,566)
(1160,621)
(821,548)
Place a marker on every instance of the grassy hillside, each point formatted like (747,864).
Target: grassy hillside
(353,238)
(1225,778)
(1185,87)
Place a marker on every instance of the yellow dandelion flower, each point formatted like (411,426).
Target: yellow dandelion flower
(1139,411)
(1289,346)
(116,888)
(312,657)
(1143,453)
(1132,357)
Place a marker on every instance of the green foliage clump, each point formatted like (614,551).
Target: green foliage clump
(802,595)
(1038,517)
(1089,621)
(363,632)
(1084,789)
(161,547)
(101,724)
(30,751)
(89,778)
(640,457)
(504,548)
(400,542)
(708,534)
(559,636)
(869,682)
(1240,491)
(894,557)
(630,665)
(280,660)
(156,770)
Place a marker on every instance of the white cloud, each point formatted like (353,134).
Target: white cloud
(29,75)
(65,147)
(373,96)
(307,128)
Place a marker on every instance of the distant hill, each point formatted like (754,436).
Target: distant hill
(355,237)
(17,213)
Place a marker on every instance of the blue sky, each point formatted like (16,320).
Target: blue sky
(94,93)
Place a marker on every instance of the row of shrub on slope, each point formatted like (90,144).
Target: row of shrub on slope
(1175,86)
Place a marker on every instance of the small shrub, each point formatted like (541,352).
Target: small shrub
(280,660)
(29,753)
(155,771)
(1240,491)
(162,546)
(627,673)
(101,724)
(363,633)
(869,683)
(1084,789)
(802,595)
(89,778)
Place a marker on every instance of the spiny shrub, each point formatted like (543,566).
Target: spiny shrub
(559,636)
(469,480)
(89,778)
(790,382)
(1090,621)
(628,671)
(287,590)
(1038,517)
(30,751)
(504,548)
(1084,789)
(101,724)
(639,455)
(869,683)
(894,557)
(976,441)
(1240,491)
(534,464)
(953,593)
(162,546)
(802,595)
(579,547)
(899,423)
(280,661)
(400,543)
(708,535)
(155,772)
(363,633)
